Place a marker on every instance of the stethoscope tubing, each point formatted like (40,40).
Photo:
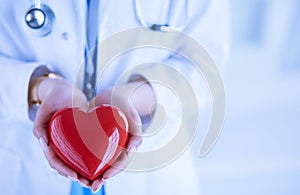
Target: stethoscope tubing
(37,8)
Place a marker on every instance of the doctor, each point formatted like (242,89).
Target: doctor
(39,69)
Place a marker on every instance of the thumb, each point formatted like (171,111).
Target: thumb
(43,116)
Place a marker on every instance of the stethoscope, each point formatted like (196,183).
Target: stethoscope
(167,25)
(40,18)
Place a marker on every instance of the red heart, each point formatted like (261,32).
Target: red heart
(88,142)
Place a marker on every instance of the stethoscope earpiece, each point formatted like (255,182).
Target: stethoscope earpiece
(40,20)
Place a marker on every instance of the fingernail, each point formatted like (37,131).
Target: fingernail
(104,179)
(96,190)
(43,144)
(82,184)
(46,140)
(132,149)
(72,178)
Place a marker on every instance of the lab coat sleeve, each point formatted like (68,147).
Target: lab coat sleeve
(15,76)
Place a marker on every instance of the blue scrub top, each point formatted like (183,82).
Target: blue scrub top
(76,189)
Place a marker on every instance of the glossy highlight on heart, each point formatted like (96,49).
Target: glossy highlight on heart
(88,142)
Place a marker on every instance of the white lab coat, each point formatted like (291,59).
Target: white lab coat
(23,167)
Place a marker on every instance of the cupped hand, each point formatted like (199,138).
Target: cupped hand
(56,94)
(118,98)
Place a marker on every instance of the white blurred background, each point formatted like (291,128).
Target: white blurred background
(258,151)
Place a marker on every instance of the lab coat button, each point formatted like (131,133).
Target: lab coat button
(65,35)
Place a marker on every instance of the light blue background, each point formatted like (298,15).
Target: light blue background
(258,151)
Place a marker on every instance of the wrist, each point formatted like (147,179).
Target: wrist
(48,84)
(34,95)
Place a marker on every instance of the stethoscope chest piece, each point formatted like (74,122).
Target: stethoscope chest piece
(35,18)
(40,21)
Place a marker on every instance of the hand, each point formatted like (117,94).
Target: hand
(127,97)
(56,94)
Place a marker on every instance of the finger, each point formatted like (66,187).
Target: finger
(92,103)
(125,157)
(135,129)
(134,121)
(120,164)
(83,181)
(59,99)
(133,118)
(97,184)
(79,99)
(42,119)
(55,162)
(134,141)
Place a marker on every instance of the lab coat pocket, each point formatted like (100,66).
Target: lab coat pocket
(10,166)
